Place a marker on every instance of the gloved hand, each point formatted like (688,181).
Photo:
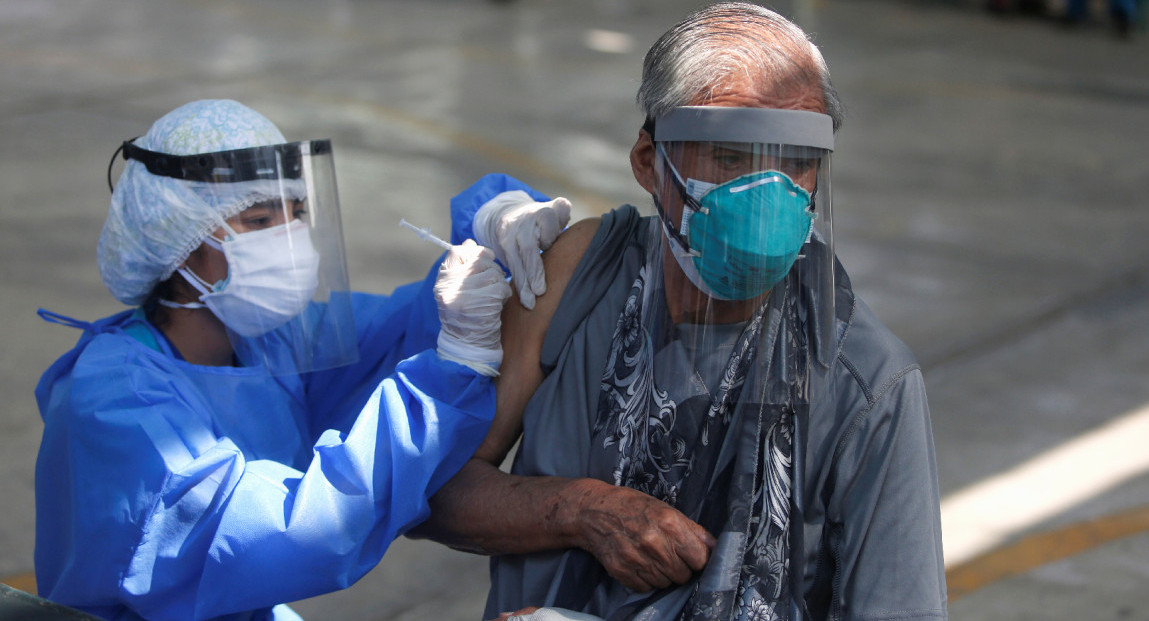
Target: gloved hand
(470,291)
(518,228)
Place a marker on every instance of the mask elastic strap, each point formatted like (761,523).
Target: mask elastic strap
(675,242)
(201,285)
(678,181)
(689,202)
(171,304)
(218,243)
(193,279)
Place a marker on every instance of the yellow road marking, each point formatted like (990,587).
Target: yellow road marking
(1036,550)
(24,582)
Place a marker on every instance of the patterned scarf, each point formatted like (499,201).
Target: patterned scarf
(723,459)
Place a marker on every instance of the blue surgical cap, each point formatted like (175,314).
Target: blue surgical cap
(155,222)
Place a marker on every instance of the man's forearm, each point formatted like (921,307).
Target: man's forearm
(484,510)
(642,542)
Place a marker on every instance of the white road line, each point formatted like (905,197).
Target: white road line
(982,516)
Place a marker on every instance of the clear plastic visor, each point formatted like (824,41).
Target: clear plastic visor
(284,294)
(746,224)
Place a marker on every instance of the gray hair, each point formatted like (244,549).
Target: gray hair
(691,59)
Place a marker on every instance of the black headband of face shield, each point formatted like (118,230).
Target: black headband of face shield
(280,161)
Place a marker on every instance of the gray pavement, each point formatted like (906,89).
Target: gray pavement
(990,187)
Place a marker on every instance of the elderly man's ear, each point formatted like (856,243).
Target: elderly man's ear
(642,161)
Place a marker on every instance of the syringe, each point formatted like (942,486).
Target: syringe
(425,234)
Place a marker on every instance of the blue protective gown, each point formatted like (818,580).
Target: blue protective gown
(168,490)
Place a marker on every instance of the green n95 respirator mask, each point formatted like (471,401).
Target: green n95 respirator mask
(745,233)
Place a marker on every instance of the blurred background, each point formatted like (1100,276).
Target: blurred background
(990,204)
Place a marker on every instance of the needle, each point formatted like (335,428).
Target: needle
(425,234)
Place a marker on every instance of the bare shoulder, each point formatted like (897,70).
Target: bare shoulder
(561,259)
(524,331)
(528,326)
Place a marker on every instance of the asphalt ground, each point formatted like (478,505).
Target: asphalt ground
(989,195)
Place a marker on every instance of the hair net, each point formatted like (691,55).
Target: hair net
(155,222)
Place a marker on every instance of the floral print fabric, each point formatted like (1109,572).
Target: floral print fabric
(723,459)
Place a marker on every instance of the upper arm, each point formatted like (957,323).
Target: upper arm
(523,334)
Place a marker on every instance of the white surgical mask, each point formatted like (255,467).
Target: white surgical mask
(272,275)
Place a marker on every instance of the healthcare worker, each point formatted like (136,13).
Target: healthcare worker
(252,432)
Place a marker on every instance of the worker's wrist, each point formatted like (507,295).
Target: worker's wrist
(484,359)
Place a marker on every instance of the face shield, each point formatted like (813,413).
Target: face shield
(745,202)
(285,299)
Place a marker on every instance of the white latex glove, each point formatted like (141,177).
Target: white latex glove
(518,228)
(470,291)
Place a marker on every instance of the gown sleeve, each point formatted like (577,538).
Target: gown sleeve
(144,502)
(153,510)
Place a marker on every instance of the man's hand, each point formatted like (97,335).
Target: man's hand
(642,542)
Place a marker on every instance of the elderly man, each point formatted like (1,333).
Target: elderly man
(713,426)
